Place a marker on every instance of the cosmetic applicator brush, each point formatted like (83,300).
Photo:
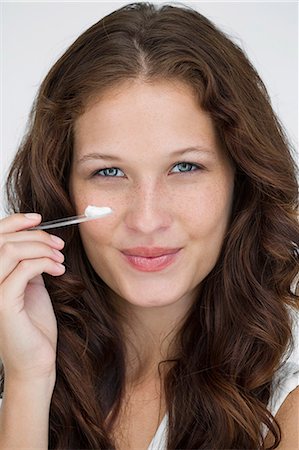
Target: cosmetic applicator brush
(90,213)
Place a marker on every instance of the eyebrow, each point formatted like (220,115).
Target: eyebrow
(97,156)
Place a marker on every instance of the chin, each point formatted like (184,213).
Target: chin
(151,301)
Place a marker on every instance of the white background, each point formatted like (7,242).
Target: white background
(35,34)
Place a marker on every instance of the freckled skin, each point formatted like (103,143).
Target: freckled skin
(154,204)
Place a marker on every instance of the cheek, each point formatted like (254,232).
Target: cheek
(99,236)
(96,233)
(99,232)
(83,195)
(210,212)
(98,229)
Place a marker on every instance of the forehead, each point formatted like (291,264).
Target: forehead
(138,115)
(141,89)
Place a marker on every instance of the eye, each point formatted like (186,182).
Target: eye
(187,167)
(115,172)
(108,172)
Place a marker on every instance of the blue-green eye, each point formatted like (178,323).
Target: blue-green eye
(114,172)
(186,167)
(108,172)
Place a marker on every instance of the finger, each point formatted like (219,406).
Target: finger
(13,288)
(19,221)
(12,253)
(37,280)
(38,235)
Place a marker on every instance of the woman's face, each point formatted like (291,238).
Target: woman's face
(130,153)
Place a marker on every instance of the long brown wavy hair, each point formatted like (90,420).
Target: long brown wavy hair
(239,328)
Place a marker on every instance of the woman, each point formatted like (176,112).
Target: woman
(170,323)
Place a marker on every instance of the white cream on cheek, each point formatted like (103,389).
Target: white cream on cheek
(97,211)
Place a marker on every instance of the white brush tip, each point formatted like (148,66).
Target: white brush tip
(97,211)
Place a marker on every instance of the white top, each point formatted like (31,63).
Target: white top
(285,380)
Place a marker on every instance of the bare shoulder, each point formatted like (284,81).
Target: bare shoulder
(288,419)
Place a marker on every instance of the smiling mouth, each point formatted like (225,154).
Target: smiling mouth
(151,263)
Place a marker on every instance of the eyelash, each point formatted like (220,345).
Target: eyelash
(197,166)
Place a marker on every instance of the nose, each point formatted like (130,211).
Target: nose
(149,210)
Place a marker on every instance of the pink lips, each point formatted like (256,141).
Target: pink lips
(150,259)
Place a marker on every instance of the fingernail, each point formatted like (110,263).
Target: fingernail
(58,254)
(32,216)
(56,239)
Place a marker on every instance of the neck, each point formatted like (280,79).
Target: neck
(150,336)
